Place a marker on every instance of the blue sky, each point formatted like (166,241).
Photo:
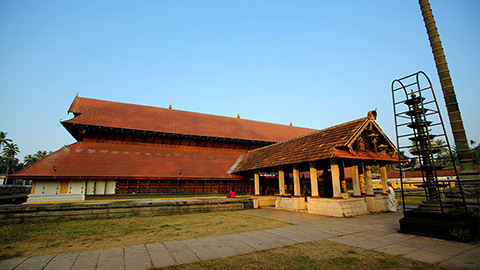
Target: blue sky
(315,63)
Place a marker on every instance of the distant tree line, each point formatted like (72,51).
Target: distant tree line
(442,156)
(9,163)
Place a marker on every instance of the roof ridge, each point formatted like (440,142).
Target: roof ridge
(305,135)
(184,111)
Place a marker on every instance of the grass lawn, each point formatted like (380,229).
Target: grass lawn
(33,239)
(316,255)
(410,200)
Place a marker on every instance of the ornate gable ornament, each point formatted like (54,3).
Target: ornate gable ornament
(370,137)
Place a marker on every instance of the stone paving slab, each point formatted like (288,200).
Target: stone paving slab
(442,251)
(288,233)
(397,237)
(137,258)
(448,249)
(272,240)
(314,233)
(34,263)
(62,261)
(180,252)
(86,260)
(280,239)
(111,259)
(396,249)
(11,264)
(285,216)
(201,249)
(351,240)
(246,242)
(252,241)
(160,255)
(294,235)
(468,260)
(323,230)
(426,256)
(240,246)
(375,243)
(221,248)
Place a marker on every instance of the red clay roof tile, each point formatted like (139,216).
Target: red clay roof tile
(120,160)
(136,117)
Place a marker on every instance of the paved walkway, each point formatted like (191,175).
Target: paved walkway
(374,231)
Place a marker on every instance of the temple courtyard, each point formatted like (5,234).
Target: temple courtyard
(376,232)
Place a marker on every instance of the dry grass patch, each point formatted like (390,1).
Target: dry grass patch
(33,239)
(316,255)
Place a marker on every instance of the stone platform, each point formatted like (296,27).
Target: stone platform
(110,209)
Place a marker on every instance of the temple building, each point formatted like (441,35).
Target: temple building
(132,149)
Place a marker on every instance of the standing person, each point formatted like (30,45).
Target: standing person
(231,194)
(392,202)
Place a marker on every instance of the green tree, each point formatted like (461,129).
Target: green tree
(475,152)
(8,153)
(441,146)
(3,139)
(442,156)
(29,159)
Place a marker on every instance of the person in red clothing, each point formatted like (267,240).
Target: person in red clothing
(231,194)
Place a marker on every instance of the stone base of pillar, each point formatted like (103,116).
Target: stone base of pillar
(292,204)
(337,208)
(377,203)
(263,201)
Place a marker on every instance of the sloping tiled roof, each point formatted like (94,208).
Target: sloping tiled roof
(319,145)
(136,117)
(96,160)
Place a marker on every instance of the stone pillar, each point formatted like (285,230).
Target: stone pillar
(343,181)
(296,181)
(256,181)
(383,176)
(361,179)
(368,181)
(356,182)
(337,194)
(281,181)
(314,180)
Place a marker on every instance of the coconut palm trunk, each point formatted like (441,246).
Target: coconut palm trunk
(464,154)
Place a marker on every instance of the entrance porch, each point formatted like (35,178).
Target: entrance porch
(310,170)
(328,192)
